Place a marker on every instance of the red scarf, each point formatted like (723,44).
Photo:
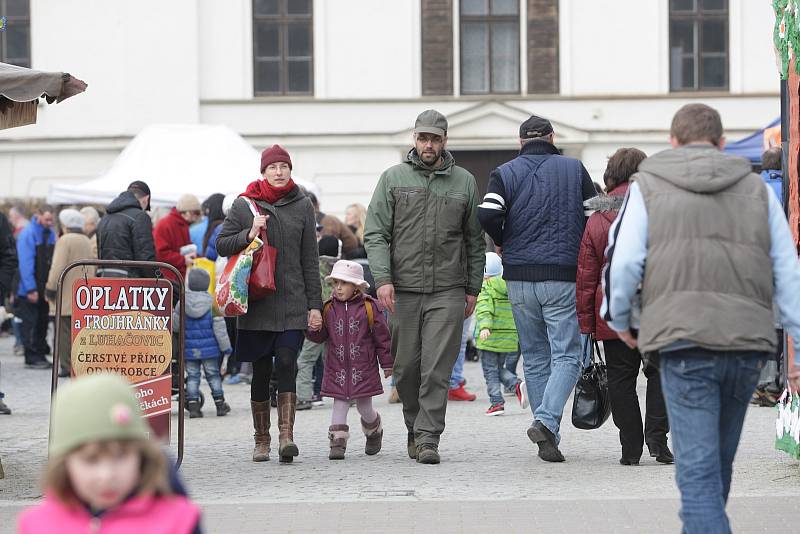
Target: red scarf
(263,190)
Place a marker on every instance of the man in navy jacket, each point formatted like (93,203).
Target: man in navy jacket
(533,211)
(35,251)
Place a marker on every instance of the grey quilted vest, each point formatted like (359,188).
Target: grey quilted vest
(708,277)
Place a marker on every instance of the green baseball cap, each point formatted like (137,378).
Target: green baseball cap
(91,408)
(431,121)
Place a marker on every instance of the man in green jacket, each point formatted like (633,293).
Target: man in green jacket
(426,252)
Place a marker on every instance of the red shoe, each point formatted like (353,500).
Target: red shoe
(496,409)
(460,394)
(522,394)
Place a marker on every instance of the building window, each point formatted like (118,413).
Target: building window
(489,46)
(15,39)
(698,45)
(283,47)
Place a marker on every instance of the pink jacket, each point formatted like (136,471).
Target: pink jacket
(353,349)
(174,514)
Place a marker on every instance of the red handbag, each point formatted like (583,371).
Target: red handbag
(262,274)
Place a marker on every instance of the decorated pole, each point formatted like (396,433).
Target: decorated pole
(786,36)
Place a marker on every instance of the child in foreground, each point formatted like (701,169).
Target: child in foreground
(497,338)
(104,474)
(358,338)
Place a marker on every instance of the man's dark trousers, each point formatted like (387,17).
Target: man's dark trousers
(426,335)
(35,318)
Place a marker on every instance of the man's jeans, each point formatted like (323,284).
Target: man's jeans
(512,360)
(495,373)
(458,369)
(211,370)
(707,393)
(547,323)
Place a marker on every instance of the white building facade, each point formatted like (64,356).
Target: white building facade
(340,82)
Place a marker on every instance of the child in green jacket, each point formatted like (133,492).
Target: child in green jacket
(497,339)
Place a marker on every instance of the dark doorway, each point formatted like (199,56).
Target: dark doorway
(482,162)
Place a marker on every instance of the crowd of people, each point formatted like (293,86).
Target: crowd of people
(537,270)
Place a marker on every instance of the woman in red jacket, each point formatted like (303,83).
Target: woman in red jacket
(623,362)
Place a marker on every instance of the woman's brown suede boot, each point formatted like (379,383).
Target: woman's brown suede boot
(374,433)
(261,424)
(287,404)
(338,434)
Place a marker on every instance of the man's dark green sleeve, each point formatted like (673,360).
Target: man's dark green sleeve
(475,244)
(378,233)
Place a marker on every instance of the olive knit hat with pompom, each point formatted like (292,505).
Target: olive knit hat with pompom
(93,408)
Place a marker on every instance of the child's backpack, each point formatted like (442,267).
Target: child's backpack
(369,305)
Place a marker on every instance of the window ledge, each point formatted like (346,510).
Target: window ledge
(484,98)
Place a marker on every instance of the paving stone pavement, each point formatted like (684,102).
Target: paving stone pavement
(489,478)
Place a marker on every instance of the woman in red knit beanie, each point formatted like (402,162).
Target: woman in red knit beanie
(274,326)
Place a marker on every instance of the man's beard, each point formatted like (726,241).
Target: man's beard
(429,158)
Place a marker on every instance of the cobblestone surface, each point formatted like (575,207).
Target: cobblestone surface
(489,477)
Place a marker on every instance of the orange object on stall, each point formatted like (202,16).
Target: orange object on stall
(793,89)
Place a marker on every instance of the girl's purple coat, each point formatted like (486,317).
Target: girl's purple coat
(352,352)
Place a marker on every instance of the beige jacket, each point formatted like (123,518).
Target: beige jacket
(69,248)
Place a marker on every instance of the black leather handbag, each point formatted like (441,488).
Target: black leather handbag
(591,405)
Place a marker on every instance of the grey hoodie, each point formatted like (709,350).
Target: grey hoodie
(697,168)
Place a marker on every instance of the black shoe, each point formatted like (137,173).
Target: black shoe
(548,449)
(222,407)
(303,405)
(39,364)
(412,446)
(4,410)
(428,453)
(194,409)
(628,461)
(661,452)
(63,373)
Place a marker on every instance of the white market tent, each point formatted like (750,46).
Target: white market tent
(173,159)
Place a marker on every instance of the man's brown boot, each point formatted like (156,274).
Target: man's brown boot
(338,434)
(374,433)
(412,446)
(261,424)
(287,450)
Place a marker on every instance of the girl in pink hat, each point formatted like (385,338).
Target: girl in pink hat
(358,341)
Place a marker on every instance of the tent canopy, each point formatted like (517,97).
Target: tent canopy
(752,146)
(173,159)
(20,89)
(23,85)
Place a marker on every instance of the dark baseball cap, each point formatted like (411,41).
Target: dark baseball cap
(431,121)
(535,127)
(139,185)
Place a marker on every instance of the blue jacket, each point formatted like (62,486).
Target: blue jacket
(211,247)
(206,336)
(774,179)
(35,254)
(533,208)
(196,233)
